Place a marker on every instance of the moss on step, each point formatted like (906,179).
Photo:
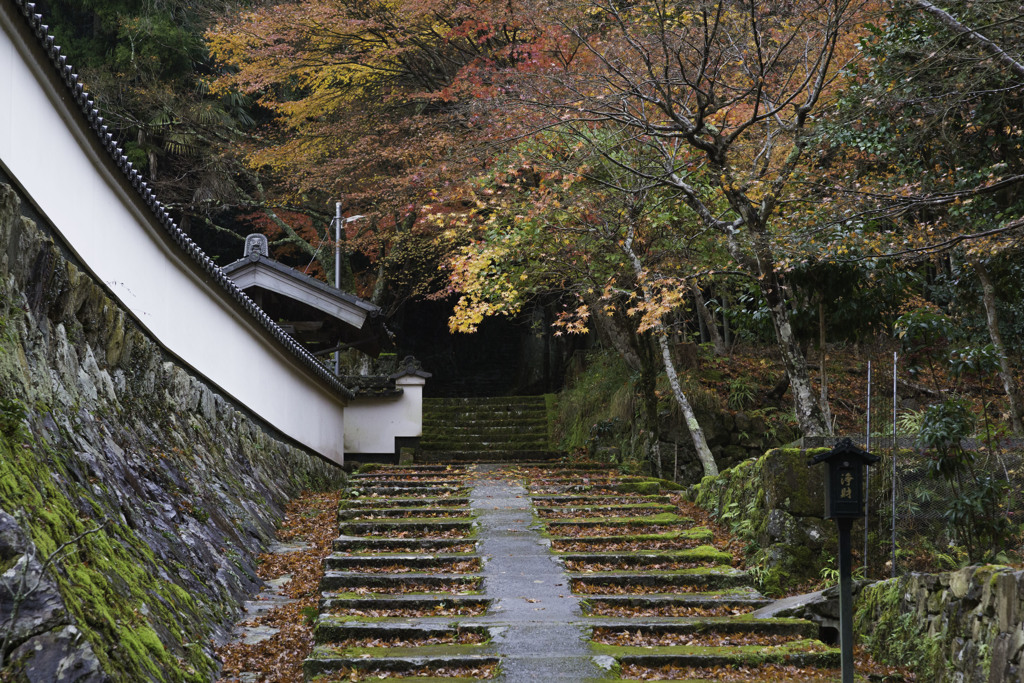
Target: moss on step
(331,652)
(662,518)
(748,654)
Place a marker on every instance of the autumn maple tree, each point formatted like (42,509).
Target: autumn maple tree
(719,97)
(613,250)
(381,104)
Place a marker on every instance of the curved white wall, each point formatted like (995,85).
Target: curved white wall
(48,148)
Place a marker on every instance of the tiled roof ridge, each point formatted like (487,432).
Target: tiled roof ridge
(87,106)
(373,385)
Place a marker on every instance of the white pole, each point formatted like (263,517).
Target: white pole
(337,245)
(867,477)
(894,358)
(337,271)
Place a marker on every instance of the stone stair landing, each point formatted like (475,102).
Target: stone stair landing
(500,429)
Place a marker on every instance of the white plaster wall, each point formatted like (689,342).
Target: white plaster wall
(371,425)
(76,186)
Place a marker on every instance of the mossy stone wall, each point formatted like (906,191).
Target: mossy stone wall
(133,498)
(776,504)
(966,625)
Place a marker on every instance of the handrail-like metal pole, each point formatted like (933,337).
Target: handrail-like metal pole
(894,399)
(867,476)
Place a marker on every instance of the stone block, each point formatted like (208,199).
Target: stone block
(820,533)
(790,485)
(41,608)
(758,425)
(62,656)
(999,662)
(960,581)
(733,454)
(1006,601)
(783,528)
(935,601)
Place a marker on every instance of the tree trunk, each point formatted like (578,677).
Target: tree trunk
(988,297)
(649,412)
(611,331)
(707,460)
(708,320)
(812,417)
(726,332)
(821,352)
(700,444)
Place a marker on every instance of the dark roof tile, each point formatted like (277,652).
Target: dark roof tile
(94,121)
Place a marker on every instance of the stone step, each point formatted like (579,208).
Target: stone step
(353,544)
(484,441)
(659,520)
(700,534)
(685,580)
(706,555)
(621,510)
(394,527)
(487,445)
(612,544)
(374,513)
(371,491)
(340,581)
(801,628)
(447,563)
(484,420)
(493,401)
(716,657)
(511,456)
(330,629)
(464,605)
(553,501)
(736,601)
(374,480)
(326,660)
(481,414)
(508,434)
(394,501)
(414,469)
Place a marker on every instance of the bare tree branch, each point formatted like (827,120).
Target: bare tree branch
(950,22)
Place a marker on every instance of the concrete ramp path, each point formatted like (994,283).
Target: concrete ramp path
(539,636)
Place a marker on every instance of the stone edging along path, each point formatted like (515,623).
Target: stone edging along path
(539,573)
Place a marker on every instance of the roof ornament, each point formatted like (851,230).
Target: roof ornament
(410,367)
(256,246)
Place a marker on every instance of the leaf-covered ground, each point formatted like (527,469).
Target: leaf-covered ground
(310,519)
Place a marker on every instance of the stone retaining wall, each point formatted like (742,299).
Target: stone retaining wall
(962,627)
(133,498)
(775,503)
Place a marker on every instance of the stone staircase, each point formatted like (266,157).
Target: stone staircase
(501,429)
(445,572)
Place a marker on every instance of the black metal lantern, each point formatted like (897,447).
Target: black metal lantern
(844,502)
(844,479)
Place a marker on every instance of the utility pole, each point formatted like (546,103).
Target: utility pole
(337,248)
(338,223)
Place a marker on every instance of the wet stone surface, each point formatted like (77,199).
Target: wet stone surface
(647,591)
(541,637)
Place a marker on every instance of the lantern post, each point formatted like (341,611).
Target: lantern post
(844,502)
